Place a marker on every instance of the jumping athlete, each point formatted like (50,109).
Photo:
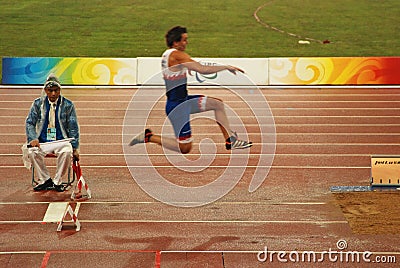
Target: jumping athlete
(175,65)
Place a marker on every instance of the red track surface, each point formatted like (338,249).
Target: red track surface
(324,137)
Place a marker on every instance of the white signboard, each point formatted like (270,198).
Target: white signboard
(49,147)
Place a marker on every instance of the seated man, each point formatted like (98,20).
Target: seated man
(52,117)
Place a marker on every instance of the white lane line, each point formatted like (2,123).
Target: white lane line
(218,93)
(159,203)
(236,109)
(250,125)
(218,155)
(13,222)
(258,251)
(182,251)
(218,221)
(226,101)
(233,124)
(242,116)
(231,166)
(252,134)
(197,221)
(130,87)
(22,252)
(255,143)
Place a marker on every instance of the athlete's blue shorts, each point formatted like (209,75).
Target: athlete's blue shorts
(178,112)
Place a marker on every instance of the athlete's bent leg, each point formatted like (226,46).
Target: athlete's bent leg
(231,138)
(218,107)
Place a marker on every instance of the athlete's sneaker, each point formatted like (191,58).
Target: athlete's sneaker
(141,137)
(234,143)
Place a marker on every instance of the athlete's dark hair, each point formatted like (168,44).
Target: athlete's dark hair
(174,35)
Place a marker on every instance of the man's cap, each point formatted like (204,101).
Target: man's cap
(50,84)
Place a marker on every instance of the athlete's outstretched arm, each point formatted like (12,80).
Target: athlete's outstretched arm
(182,58)
(206,69)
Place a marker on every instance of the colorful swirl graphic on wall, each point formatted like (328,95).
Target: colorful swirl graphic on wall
(281,71)
(71,71)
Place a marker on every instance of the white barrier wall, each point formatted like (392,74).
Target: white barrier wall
(256,72)
(259,71)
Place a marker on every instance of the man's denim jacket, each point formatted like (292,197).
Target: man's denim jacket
(66,117)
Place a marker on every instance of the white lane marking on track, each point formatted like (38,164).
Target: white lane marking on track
(227,155)
(255,134)
(275,167)
(255,143)
(267,94)
(22,252)
(175,251)
(158,203)
(234,101)
(216,221)
(250,125)
(210,86)
(195,221)
(242,116)
(239,109)
(255,252)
